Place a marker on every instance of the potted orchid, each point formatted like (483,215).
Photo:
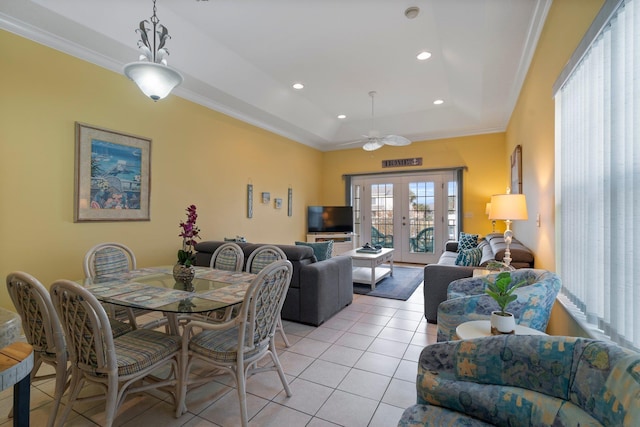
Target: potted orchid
(183,270)
(502,291)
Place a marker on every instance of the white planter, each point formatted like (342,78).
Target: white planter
(502,324)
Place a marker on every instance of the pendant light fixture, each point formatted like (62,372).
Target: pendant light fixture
(151,73)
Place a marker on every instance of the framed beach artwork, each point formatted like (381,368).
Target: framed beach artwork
(112,175)
(516,170)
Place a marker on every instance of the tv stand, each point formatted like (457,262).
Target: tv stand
(342,242)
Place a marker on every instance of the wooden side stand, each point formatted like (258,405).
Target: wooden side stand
(16,363)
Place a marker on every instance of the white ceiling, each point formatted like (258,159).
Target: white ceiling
(240,57)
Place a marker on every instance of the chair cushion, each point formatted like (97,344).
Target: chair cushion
(263,259)
(226,260)
(142,348)
(119,328)
(427,415)
(469,257)
(110,261)
(467,241)
(221,346)
(322,250)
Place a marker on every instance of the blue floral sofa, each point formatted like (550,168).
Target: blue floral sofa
(520,380)
(466,301)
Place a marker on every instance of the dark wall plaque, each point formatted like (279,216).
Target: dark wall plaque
(399,163)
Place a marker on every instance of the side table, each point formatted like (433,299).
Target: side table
(482,328)
(16,363)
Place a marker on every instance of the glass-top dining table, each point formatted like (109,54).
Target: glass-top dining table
(154,288)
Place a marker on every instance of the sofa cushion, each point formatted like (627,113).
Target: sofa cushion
(469,257)
(322,250)
(467,241)
(521,256)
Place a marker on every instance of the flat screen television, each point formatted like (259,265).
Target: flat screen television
(330,219)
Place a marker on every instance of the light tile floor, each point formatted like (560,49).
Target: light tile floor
(357,369)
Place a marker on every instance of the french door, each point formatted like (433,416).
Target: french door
(414,214)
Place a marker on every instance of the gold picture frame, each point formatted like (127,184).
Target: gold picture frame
(112,175)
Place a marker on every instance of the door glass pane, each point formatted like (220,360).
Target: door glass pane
(382,215)
(357,211)
(452,210)
(421,216)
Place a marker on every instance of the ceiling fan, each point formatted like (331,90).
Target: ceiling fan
(374,140)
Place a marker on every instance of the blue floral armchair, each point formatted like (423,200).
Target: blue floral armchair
(520,380)
(466,301)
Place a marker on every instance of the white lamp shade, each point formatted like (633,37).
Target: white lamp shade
(154,80)
(508,207)
(487,209)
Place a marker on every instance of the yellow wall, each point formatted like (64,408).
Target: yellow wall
(197,156)
(532,126)
(478,153)
(206,158)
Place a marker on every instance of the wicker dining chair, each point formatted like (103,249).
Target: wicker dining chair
(111,258)
(236,345)
(229,256)
(43,332)
(258,260)
(118,365)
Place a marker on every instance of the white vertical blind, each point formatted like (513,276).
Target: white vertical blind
(598,180)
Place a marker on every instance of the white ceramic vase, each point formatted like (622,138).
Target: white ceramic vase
(502,324)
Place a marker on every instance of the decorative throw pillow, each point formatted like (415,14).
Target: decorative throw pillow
(469,257)
(467,241)
(322,250)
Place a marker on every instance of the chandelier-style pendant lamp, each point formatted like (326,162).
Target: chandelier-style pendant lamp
(151,73)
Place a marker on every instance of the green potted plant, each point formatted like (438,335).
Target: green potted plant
(502,291)
(183,271)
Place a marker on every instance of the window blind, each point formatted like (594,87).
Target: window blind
(598,180)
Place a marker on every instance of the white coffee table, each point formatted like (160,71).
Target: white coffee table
(482,328)
(367,267)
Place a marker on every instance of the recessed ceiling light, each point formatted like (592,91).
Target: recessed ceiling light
(298,86)
(424,55)
(412,12)
(438,102)
(342,116)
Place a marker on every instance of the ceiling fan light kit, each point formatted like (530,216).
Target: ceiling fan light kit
(151,73)
(374,140)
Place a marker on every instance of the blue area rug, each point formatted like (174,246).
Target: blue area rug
(400,286)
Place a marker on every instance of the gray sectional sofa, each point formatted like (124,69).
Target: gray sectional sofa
(438,276)
(318,290)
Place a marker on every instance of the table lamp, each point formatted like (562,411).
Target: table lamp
(487,211)
(508,207)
